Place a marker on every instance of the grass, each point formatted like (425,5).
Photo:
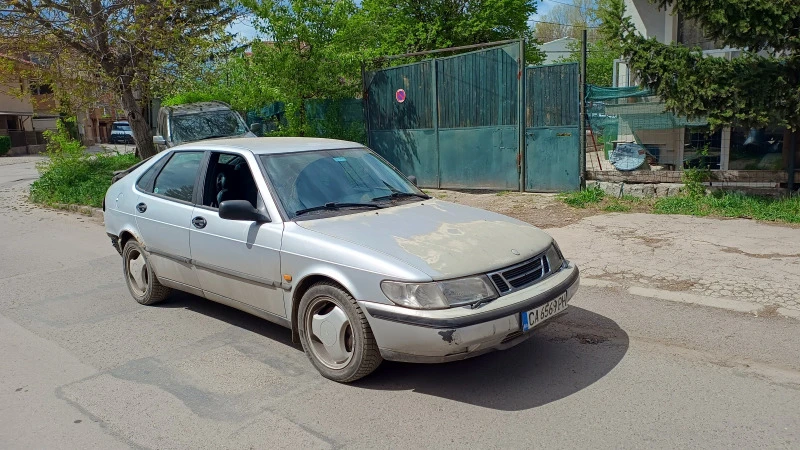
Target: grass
(78,179)
(584,198)
(733,204)
(719,204)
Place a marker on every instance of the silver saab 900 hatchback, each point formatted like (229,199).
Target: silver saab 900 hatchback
(329,240)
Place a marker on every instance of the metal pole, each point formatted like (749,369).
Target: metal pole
(521,114)
(365,100)
(792,160)
(582,123)
(435,118)
(449,49)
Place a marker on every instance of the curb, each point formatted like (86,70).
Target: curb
(756,309)
(80,209)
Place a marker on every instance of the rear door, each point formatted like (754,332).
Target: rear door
(164,216)
(237,262)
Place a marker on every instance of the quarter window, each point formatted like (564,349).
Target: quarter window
(177,178)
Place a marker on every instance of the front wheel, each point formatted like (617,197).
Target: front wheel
(336,335)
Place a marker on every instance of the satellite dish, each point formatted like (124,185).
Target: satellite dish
(628,156)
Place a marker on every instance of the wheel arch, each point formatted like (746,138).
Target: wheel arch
(125,235)
(301,288)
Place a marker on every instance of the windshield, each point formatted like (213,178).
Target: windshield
(120,127)
(330,177)
(206,125)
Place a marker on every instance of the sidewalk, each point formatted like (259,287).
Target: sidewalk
(740,259)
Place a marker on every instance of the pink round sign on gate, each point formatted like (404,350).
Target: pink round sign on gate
(400,95)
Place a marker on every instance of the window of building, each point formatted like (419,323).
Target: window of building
(756,149)
(702,148)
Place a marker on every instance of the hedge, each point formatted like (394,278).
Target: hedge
(5,144)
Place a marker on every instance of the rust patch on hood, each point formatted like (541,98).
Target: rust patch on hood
(473,246)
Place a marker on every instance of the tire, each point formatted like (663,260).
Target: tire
(322,300)
(145,288)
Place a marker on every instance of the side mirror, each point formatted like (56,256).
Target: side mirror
(159,140)
(241,210)
(412,179)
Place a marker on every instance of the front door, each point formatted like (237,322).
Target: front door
(236,260)
(164,217)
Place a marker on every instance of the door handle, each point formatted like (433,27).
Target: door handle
(141,207)
(199,222)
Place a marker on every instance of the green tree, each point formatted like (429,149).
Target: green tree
(314,53)
(403,26)
(119,44)
(755,89)
(567,20)
(606,46)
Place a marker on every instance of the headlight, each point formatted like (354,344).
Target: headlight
(440,295)
(554,259)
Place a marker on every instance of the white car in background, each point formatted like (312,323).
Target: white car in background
(121,133)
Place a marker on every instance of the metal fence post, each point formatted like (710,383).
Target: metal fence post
(435,120)
(521,115)
(582,123)
(365,101)
(792,161)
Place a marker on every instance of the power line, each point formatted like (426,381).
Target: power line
(563,24)
(565,4)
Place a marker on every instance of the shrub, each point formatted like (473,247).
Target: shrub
(5,144)
(73,177)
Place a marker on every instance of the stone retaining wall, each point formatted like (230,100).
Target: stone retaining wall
(636,190)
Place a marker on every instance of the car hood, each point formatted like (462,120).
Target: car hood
(442,239)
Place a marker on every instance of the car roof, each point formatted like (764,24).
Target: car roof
(270,145)
(190,108)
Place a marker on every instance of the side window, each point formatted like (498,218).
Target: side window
(228,178)
(178,176)
(145,182)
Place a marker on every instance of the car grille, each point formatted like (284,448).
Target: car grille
(520,275)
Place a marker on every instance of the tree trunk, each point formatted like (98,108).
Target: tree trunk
(139,125)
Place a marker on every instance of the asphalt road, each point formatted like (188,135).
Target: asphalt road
(83,365)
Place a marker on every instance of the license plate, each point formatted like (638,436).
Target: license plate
(536,316)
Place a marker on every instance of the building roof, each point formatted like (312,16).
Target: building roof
(271,145)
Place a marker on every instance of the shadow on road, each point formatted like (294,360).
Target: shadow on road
(566,356)
(230,315)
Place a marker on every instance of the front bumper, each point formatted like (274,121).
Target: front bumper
(442,335)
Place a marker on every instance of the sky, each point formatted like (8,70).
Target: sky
(542,8)
(244,28)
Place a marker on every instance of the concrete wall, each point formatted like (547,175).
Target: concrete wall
(647,18)
(10,104)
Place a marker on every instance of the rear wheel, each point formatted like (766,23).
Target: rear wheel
(336,335)
(139,276)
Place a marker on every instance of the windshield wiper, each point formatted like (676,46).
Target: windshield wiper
(336,205)
(395,195)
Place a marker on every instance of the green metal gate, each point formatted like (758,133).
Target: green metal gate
(552,134)
(455,122)
(451,122)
